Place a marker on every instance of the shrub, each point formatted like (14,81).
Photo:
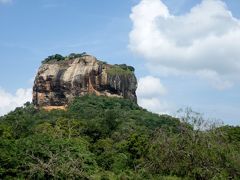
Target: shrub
(56,57)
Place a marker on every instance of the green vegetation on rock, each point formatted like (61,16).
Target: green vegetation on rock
(121,69)
(58,57)
(113,138)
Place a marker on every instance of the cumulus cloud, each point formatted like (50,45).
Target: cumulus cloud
(10,101)
(149,92)
(214,80)
(205,41)
(150,86)
(154,105)
(5,1)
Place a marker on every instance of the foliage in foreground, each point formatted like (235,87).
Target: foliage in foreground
(111,138)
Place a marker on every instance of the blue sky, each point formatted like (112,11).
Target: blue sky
(32,30)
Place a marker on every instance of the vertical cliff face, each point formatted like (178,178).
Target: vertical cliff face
(59,81)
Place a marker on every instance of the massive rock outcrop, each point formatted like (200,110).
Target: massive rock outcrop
(60,79)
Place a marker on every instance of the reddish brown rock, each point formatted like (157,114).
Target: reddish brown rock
(58,82)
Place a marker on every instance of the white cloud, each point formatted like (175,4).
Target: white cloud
(154,105)
(5,1)
(10,101)
(149,92)
(150,86)
(204,40)
(213,78)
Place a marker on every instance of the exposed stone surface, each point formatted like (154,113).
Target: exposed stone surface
(58,82)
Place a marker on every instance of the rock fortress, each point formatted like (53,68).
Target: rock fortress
(60,79)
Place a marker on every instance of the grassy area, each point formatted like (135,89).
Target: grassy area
(118,70)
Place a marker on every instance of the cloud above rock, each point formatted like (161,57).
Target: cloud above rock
(204,41)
